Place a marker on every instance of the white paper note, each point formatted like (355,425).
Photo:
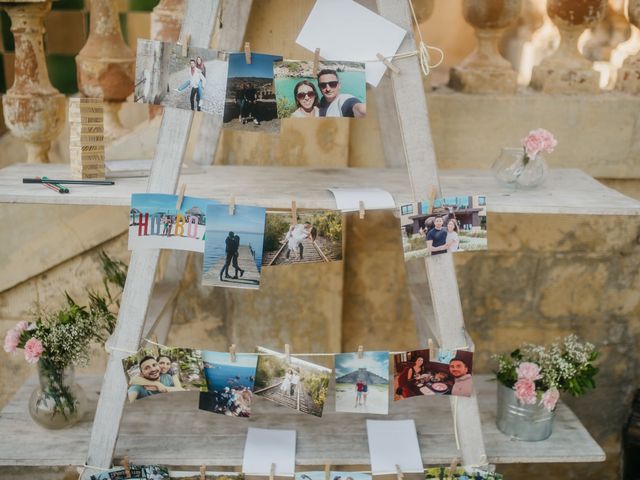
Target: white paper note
(391,443)
(267,446)
(345,30)
(348,199)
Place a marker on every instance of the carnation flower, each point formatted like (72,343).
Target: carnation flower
(11,341)
(33,350)
(538,140)
(528,370)
(22,326)
(550,398)
(525,391)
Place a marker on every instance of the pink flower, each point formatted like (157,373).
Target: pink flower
(539,140)
(525,391)
(33,350)
(528,370)
(21,326)
(11,340)
(550,398)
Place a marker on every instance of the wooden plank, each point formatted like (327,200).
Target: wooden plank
(189,436)
(566,191)
(172,141)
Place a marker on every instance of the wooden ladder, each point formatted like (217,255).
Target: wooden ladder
(410,122)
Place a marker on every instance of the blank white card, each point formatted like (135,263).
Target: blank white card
(265,447)
(391,443)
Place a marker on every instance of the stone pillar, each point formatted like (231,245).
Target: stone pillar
(106,65)
(33,109)
(608,33)
(166,20)
(566,70)
(485,71)
(629,74)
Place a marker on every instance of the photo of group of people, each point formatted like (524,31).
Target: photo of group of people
(460,473)
(446,225)
(315,236)
(362,382)
(229,383)
(150,372)
(338,89)
(292,382)
(415,374)
(136,472)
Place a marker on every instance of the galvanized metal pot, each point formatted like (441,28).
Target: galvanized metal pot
(531,423)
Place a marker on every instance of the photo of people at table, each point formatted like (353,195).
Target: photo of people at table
(415,374)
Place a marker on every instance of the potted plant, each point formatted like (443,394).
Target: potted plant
(531,379)
(57,341)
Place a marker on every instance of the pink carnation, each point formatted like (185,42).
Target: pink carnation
(21,326)
(528,370)
(525,391)
(550,398)
(11,340)
(539,140)
(33,350)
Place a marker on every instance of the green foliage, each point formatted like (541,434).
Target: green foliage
(269,367)
(284,107)
(317,385)
(329,225)
(275,229)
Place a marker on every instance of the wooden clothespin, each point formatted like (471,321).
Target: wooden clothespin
(247,53)
(184,43)
(203,469)
(327,471)
(361,208)
(232,352)
(399,474)
(287,352)
(316,60)
(452,467)
(360,352)
(272,472)
(389,65)
(431,352)
(125,464)
(432,198)
(294,212)
(232,206)
(183,187)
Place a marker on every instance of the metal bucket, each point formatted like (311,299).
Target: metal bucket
(531,423)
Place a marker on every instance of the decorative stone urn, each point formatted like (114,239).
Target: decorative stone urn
(33,108)
(566,70)
(166,20)
(485,70)
(629,74)
(106,65)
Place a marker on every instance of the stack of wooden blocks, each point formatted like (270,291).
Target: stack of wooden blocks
(86,137)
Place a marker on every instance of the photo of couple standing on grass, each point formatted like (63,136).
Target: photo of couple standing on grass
(233,246)
(315,236)
(293,383)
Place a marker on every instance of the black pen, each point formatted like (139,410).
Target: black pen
(62,189)
(69,182)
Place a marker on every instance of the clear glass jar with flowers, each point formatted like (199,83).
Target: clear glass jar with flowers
(58,341)
(531,379)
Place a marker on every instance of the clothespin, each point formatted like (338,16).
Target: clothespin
(316,60)
(287,352)
(389,65)
(452,467)
(361,207)
(203,469)
(294,212)
(272,472)
(399,474)
(184,43)
(432,198)
(232,206)
(327,471)
(247,53)
(360,352)
(431,352)
(125,464)
(232,352)
(183,187)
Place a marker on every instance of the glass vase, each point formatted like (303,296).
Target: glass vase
(512,168)
(531,423)
(58,402)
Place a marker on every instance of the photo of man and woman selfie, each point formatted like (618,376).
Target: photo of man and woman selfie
(338,89)
(150,372)
(449,374)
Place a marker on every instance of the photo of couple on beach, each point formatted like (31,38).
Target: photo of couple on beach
(362,382)
(415,374)
(150,372)
(233,246)
(338,89)
(164,76)
(315,236)
(444,225)
(292,382)
(229,383)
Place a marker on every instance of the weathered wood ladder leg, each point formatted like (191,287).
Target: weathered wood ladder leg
(199,23)
(413,118)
